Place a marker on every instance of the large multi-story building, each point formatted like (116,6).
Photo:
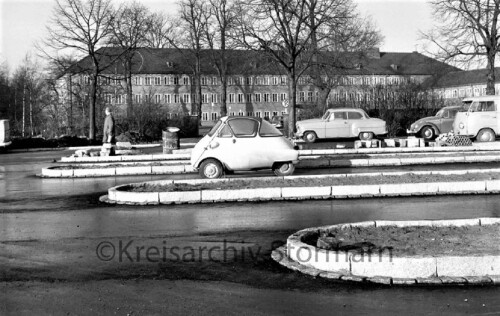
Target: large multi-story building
(256,86)
(462,84)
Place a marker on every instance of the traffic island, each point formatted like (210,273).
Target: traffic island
(307,187)
(398,252)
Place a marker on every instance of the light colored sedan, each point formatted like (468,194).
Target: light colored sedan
(341,123)
(243,143)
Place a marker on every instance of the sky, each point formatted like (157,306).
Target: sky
(23,23)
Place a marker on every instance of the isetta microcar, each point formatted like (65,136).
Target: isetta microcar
(238,143)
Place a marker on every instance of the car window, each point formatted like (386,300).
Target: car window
(440,113)
(268,130)
(226,131)
(214,129)
(354,115)
(338,116)
(474,107)
(326,115)
(453,113)
(487,106)
(244,127)
(446,114)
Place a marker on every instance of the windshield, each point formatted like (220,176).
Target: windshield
(214,129)
(465,106)
(440,113)
(326,115)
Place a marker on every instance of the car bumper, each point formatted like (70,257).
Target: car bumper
(410,132)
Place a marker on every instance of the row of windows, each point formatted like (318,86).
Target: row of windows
(267,114)
(249,81)
(205,98)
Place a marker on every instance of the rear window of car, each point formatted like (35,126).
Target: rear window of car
(268,130)
(244,127)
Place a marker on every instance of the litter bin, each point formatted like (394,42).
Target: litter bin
(170,140)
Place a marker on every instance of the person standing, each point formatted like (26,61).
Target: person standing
(109,127)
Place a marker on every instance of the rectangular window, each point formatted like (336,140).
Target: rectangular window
(283,97)
(176,98)
(240,113)
(275,113)
(204,98)
(167,98)
(185,81)
(204,116)
(147,81)
(231,98)
(214,116)
(204,81)
(166,81)
(138,98)
(267,97)
(176,80)
(157,81)
(266,81)
(249,81)
(257,97)
(275,97)
(230,81)
(248,97)
(249,113)
(232,113)
(275,81)
(241,98)
(214,98)
(108,98)
(215,81)
(309,96)
(258,114)
(267,114)
(302,96)
(119,99)
(157,98)
(283,80)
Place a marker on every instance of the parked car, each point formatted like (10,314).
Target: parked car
(243,143)
(429,127)
(341,123)
(480,120)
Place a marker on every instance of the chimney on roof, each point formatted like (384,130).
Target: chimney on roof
(373,53)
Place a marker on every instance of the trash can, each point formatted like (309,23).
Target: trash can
(170,140)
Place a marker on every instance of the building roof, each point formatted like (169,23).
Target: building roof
(175,61)
(465,78)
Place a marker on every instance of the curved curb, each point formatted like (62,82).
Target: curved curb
(119,194)
(388,269)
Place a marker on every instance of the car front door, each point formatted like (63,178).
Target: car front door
(235,146)
(354,119)
(337,125)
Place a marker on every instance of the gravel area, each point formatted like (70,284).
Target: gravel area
(413,241)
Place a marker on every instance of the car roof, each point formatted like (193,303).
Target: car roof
(482,98)
(225,118)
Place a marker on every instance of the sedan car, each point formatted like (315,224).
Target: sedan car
(243,143)
(341,123)
(429,127)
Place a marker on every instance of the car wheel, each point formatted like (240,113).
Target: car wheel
(283,169)
(485,135)
(310,137)
(427,133)
(366,135)
(211,169)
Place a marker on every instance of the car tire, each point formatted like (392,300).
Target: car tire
(283,169)
(427,133)
(310,137)
(485,135)
(211,169)
(366,135)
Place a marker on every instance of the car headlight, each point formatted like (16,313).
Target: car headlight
(461,125)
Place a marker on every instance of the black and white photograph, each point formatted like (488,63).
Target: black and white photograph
(249,157)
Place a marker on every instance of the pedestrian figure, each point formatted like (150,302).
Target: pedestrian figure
(109,127)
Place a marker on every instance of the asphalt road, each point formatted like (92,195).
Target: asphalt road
(61,251)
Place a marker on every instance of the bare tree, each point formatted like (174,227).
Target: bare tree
(221,24)
(81,26)
(160,31)
(290,32)
(191,31)
(467,32)
(130,28)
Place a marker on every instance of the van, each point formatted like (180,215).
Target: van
(4,133)
(480,118)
